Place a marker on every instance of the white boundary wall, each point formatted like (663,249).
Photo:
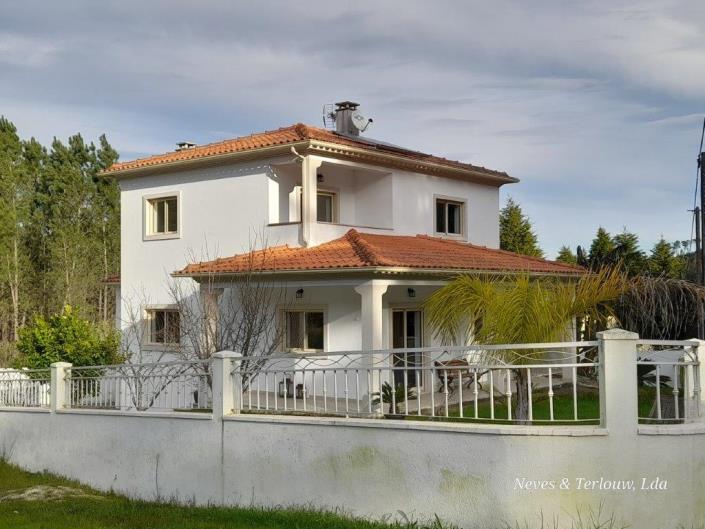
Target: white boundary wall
(464,473)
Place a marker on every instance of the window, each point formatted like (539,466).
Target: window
(449,217)
(162,216)
(326,206)
(304,330)
(164,326)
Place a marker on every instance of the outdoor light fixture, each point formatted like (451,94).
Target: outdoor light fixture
(320,178)
(411,292)
(300,293)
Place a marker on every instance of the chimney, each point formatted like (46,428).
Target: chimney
(348,120)
(184,145)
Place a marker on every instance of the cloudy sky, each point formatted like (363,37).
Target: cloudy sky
(596,106)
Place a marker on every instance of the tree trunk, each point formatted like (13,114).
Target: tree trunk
(521,410)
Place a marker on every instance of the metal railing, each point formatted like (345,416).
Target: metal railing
(26,388)
(525,383)
(668,381)
(162,386)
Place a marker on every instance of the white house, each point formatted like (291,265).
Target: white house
(358,231)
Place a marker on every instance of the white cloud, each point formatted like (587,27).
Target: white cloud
(595,105)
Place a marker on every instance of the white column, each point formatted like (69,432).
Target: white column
(618,382)
(227,388)
(696,379)
(371,313)
(309,189)
(60,371)
(371,327)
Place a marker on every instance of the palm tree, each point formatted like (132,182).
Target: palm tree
(394,397)
(517,309)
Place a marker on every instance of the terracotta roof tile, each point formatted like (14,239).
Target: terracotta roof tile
(289,135)
(357,250)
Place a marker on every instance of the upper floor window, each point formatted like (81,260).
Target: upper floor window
(327,206)
(162,216)
(449,216)
(164,326)
(304,330)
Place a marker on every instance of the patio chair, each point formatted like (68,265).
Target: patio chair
(453,371)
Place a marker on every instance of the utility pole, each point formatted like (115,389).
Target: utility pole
(700,233)
(700,221)
(698,249)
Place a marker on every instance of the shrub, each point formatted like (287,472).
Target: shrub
(66,337)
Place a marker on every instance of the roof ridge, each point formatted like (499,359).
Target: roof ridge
(363,249)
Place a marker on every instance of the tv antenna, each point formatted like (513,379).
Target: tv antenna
(329,116)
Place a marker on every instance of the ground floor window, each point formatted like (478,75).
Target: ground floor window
(164,326)
(304,330)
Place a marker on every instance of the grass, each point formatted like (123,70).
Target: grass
(113,511)
(588,408)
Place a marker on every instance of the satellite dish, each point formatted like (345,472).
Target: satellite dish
(359,121)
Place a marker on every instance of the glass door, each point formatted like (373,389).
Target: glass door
(407,333)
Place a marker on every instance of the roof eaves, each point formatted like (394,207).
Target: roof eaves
(458,169)
(391,270)
(207,160)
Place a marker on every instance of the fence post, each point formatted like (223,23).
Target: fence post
(619,402)
(60,371)
(227,388)
(696,382)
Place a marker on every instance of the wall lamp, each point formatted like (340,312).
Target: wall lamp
(300,293)
(411,292)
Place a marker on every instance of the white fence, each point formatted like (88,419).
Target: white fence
(458,383)
(146,444)
(557,383)
(26,388)
(669,381)
(164,386)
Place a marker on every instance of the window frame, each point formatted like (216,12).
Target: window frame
(463,216)
(149,319)
(148,213)
(334,205)
(283,322)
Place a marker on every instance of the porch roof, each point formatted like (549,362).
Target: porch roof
(357,251)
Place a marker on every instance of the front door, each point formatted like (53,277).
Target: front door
(407,334)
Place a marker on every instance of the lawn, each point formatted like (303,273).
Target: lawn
(588,408)
(96,510)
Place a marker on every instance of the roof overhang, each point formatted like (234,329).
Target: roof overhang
(374,271)
(329,149)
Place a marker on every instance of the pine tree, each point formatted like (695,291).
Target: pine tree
(566,255)
(515,231)
(14,197)
(627,253)
(663,260)
(601,250)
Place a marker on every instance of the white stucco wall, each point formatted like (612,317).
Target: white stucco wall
(220,210)
(414,206)
(464,474)
(222,207)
